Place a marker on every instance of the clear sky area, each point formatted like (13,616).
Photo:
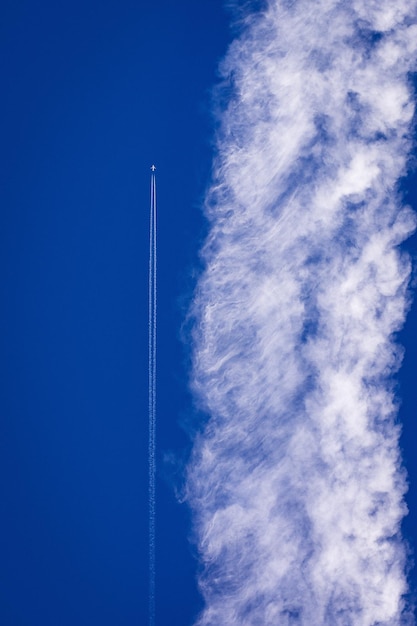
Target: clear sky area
(94,93)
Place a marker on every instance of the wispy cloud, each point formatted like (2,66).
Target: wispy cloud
(296,482)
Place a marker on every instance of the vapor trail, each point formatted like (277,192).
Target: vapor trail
(296,481)
(152,396)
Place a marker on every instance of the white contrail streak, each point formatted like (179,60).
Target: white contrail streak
(152,396)
(296,481)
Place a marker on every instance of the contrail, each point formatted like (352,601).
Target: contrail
(152,395)
(296,482)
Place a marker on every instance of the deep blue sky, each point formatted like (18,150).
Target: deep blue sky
(93,94)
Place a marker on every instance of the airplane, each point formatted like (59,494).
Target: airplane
(153,168)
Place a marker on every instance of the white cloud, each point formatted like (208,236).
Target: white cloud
(296,482)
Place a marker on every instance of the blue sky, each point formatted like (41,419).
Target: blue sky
(93,94)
